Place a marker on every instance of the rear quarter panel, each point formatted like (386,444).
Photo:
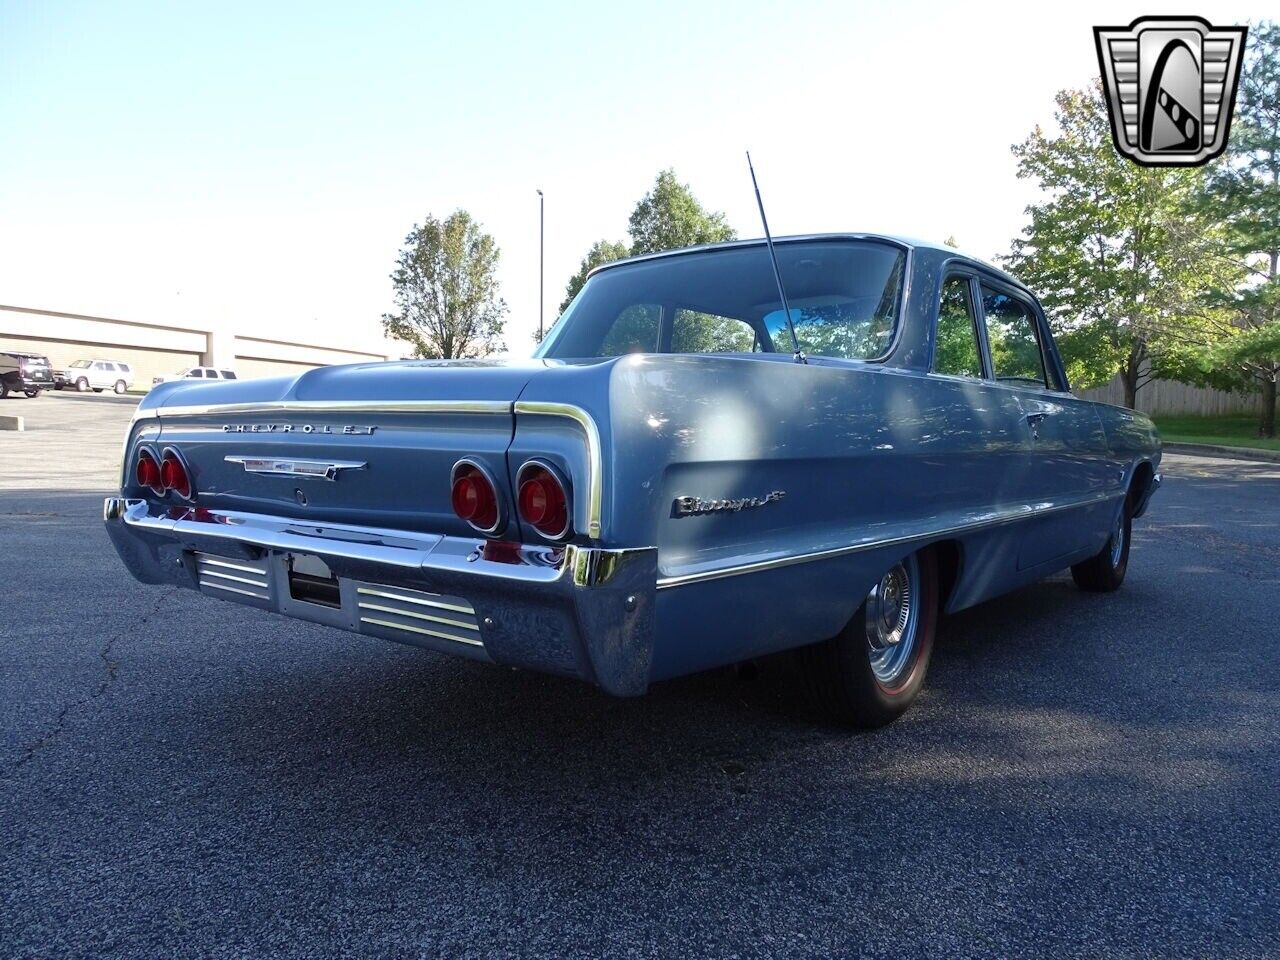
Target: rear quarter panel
(862,454)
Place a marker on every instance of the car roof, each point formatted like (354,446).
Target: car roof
(906,243)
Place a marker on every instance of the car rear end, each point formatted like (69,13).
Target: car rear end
(434,510)
(35,373)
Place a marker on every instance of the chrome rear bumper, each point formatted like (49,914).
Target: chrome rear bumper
(577,611)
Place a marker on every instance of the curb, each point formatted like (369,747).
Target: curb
(11,423)
(1232,453)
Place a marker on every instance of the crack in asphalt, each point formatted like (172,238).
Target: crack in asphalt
(112,669)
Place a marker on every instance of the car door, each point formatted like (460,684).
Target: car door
(989,456)
(1068,470)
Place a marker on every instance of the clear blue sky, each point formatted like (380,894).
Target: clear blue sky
(260,163)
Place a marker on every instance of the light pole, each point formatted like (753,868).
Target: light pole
(542,233)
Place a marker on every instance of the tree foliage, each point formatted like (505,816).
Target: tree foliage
(446,290)
(1118,252)
(667,217)
(1243,342)
(601,252)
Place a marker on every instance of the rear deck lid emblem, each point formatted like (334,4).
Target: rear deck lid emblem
(314,469)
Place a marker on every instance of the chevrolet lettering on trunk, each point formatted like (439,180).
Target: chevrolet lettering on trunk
(346,428)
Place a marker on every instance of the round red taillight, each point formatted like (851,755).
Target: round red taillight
(147,472)
(173,475)
(542,501)
(474,498)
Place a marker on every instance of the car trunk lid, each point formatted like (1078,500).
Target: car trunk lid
(369,444)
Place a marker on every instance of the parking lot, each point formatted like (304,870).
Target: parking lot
(1086,775)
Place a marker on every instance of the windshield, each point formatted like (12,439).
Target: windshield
(843,296)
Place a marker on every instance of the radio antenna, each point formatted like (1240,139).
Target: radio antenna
(777,274)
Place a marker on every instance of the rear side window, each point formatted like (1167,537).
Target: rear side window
(634,330)
(228,374)
(1016,354)
(956,352)
(695,332)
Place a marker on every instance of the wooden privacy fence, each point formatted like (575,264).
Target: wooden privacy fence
(1167,397)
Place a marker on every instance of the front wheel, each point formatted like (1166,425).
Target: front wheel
(874,669)
(1105,570)
(82,385)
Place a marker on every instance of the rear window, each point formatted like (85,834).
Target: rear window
(844,298)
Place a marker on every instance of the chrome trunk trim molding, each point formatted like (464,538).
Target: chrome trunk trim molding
(996,518)
(595,455)
(329,406)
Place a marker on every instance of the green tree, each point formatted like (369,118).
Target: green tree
(1118,253)
(1244,193)
(446,290)
(667,217)
(601,252)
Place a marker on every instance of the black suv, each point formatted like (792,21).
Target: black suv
(27,373)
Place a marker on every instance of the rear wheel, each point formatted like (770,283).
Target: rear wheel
(32,394)
(1105,570)
(874,669)
(119,387)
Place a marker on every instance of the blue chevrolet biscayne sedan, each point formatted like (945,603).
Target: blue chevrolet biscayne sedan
(679,479)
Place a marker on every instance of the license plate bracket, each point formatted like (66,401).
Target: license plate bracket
(311,581)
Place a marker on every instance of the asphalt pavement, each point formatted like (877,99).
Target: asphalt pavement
(1085,775)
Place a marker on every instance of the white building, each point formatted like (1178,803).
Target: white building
(153,349)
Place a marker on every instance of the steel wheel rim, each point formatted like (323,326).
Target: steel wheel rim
(1117,540)
(892,619)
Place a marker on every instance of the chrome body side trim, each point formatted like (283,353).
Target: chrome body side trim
(595,455)
(995,518)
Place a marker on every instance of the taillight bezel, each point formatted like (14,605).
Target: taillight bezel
(566,492)
(500,507)
(149,453)
(173,453)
